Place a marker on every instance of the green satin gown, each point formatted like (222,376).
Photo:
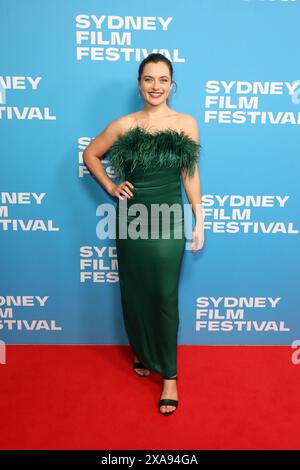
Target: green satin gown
(150,257)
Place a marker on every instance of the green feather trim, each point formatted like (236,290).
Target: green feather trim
(165,148)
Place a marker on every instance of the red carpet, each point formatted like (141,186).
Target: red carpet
(88,397)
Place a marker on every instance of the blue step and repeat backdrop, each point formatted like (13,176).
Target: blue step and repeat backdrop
(68,68)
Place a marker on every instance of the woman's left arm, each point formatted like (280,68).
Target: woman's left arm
(192,188)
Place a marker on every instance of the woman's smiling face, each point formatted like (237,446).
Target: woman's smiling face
(155,84)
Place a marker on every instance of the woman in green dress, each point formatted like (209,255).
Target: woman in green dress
(152,150)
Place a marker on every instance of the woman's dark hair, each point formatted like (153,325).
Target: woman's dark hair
(156,57)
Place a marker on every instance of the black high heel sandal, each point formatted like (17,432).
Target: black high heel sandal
(140,365)
(168,401)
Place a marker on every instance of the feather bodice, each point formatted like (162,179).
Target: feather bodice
(160,149)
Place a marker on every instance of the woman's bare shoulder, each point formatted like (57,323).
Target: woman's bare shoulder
(122,124)
(187,119)
(189,124)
